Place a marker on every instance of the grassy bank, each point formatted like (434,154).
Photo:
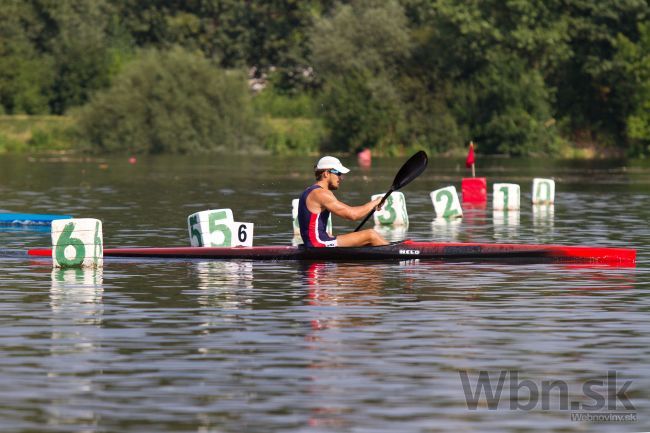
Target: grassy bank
(22,133)
(293,136)
(30,134)
(282,136)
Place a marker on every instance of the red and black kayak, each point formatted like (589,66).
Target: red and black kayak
(406,250)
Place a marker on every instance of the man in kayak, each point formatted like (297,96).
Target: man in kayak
(317,202)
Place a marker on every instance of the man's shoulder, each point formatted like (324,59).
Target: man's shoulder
(321,194)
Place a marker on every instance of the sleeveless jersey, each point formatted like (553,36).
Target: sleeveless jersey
(313,226)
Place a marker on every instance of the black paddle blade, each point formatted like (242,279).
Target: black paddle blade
(410,170)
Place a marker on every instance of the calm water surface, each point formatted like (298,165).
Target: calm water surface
(201,346)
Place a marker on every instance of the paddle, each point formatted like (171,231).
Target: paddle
(409,171)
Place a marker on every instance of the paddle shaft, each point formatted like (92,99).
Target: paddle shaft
(390,191)
(409,171)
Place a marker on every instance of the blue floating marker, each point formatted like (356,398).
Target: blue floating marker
(29,218)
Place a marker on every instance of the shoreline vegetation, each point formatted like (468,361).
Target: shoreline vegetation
(567,80)
(52,134)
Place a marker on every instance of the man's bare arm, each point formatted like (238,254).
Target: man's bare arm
(330,202)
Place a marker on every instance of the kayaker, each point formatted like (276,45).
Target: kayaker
(316,203)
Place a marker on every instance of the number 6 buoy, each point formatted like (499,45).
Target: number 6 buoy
(77,243)
(244,234)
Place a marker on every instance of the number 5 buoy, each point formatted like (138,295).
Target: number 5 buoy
(217,228)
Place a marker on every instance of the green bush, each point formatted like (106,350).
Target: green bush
(40,139)
(357,52)
(172,102)
(8,144)
(509,109)
(634,60)
(362,112)
(52,138)
(272,103)
(294,135)
(23,133)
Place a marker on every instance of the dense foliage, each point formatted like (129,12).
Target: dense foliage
(171,101)
(517,77)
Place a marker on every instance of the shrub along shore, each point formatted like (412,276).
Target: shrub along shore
(23,134)
(32,134)
(54,134)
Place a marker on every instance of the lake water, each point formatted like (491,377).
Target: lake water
(209,346)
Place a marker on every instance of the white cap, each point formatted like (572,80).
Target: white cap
(329,162)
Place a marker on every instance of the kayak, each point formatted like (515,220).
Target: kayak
(405,250)
(29,218)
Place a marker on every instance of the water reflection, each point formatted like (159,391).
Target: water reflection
(77,294)
(593,277)
(475,219)
(392,233)
(474,206)
(445,229)
(77,308)
(333,288)
(225,284)
(543,214)
(543,217)
(333,283)
(506,224)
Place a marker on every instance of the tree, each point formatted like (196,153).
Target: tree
(590,95)
(358,52)
(511,110)
(634,60)
(82,49)
(174,102)
(260,35)
(485,61)
(56,53)
(26,74)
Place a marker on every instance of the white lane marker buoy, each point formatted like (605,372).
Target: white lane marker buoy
(505,196)
(393,212)
(543,191)
(445,202)
(217,228)
(77,243)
